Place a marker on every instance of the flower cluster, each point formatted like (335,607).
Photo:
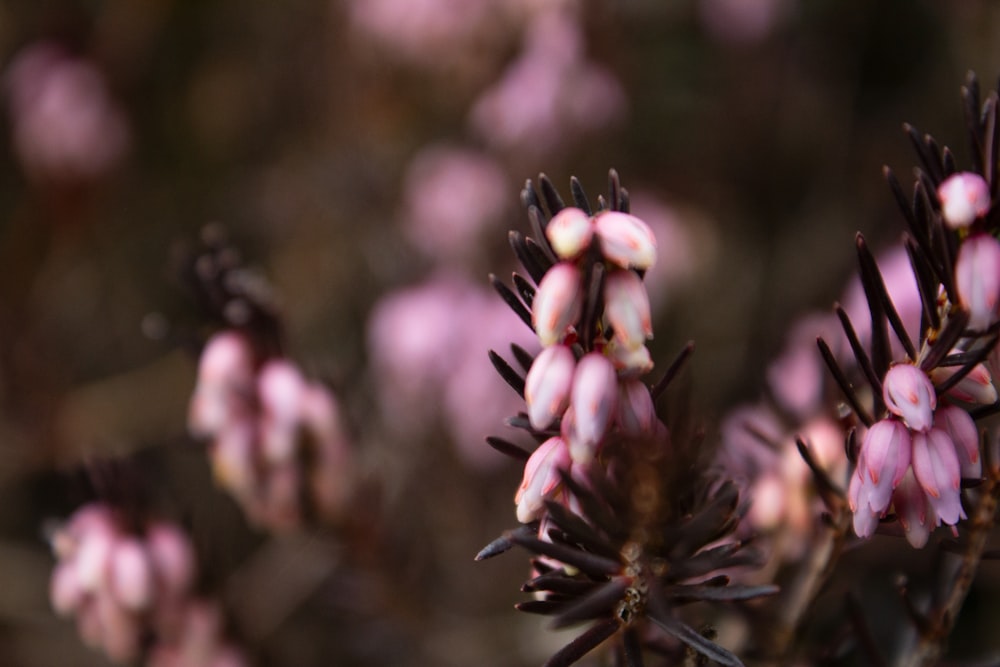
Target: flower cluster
(620,528)
(130,589)
(276,439)
(920,438)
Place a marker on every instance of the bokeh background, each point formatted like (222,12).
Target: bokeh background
(366,156)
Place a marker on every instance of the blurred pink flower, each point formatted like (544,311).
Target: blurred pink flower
(550,94)
(450,196)
(426,32)
(741,21)
(66,127)
(427,344)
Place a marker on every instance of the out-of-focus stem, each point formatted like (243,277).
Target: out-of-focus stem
(930,644)
(797,597)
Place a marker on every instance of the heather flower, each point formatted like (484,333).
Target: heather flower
(964,197)
(909,394)
(626,240)
(962,430)
(626,307)
(547,385)
(884,459)
(541,478)
(594,399)
(570,232)
(66,127)
(977,279)
(937,469)
(976,386)
(558,303)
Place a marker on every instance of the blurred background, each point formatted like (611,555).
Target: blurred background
(367,157)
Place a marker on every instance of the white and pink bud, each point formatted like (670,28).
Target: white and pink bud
(570,232)
(912,510)
(885,456)
(865,519)
(541,478)
(594,400)
(132,575)
(65,592)
(547,385)
(909,394)
(964,197)
(558,303)
(630,362)
(626,307)
(625,240)
(172,557)
(280,389)
(937,469)
(976,387)
(977,279)
(960,427)
(636,415)
(225,381)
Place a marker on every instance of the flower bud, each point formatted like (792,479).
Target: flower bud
(547,385)
(569,232)
(626,306)
(975,387)
(131,575)
(629,362)
(911,507)
(172,557)
(225,374)
(280,388)
(964,197)
(977,279)
(594,399)
(65,592)
(885,456)
(936,467)
(558,303)
(958,424)
(636,415)
(626,240)
(909,394)
(541,478)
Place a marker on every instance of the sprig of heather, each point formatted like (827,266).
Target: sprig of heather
(623,527)
(923,460)
(276,440)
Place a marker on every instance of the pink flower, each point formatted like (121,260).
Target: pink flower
(964,197)
(909,394)
(541,478)
(636,414)
(593,399)
(558,303)
(977,278)
(626,307)
(547,385)
(569,232)
(885,456)
(937,468)
(913,511)
(625,240)
(962,430)
(976,387)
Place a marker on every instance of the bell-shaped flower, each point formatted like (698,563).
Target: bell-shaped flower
(569,232)
(626,307)
(912,510)
(865,519)
(962,430)
(541,478)
(625,240)
(172,557)
(280,390)
(964,197)
(630,362)
(224,384)
(885,456)
(132,574)
(636,415)
(594,399)
(558,303)
(936,467)
(547,385)
(976,387)
(909,394)
(977,279)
